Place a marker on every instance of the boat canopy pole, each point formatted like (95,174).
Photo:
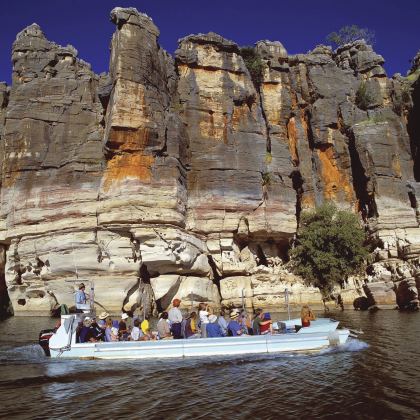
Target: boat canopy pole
(243,299)
(286,298)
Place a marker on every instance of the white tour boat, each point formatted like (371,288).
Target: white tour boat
(322,333)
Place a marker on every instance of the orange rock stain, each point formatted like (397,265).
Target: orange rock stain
(292,137)
(136,166)
(130,161)
(334,180)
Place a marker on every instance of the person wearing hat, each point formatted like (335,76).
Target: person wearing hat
(122,327)
(87,333)
(234,328)
(213,328)
(81,297)
(175,318)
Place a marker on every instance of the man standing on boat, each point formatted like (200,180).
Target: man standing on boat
(81,297)
(175,318)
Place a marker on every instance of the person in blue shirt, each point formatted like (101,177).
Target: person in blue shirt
(234,328)
(81,297)
(213,328)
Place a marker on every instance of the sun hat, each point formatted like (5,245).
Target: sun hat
(234,315)
(212,318)
(104,315)
(124,316)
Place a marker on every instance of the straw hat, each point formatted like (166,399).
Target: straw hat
(124,316)
(212,318)
(234,315)
(104,315)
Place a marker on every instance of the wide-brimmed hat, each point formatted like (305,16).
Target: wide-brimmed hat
(212,318)
(234,315)
(124,316)
(104,315)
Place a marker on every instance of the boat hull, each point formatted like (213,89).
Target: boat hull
(281,343)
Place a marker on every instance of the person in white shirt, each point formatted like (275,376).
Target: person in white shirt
(137,333)
(203,314)
(175,318)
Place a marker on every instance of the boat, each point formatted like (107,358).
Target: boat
(320,334)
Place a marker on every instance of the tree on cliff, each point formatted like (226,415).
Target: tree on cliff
(350,33)
(329,247)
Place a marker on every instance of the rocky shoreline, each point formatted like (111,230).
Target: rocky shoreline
(178,177)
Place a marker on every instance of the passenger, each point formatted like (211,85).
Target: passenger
(234,328)
(163,328)
(81,297)
(191,330)
(136,333)
(145,327)
(114,334)
(122,327)
(108,330)
(245,322)
(306,316)
(258,319)
(87,332)
(266,327)
(213,328)
(175,318)
(223,323)
(203,314)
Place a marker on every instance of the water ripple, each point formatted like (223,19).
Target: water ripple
(373,377)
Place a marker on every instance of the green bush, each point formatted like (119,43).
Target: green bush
(363,98)
(350,33)
(329,247)
(254,64)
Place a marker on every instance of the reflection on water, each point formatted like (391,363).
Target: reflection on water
(375,376)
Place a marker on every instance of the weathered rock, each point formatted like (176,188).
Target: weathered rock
(407,294)
(380,294)
(173,177)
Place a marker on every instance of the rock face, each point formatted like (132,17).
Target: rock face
(183,177)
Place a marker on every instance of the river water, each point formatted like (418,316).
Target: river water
(374,377)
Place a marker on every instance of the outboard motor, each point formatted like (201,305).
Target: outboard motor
(44,338)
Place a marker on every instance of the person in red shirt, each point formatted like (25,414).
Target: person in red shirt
(306,316)
(266,327)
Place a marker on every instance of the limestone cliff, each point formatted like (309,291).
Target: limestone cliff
(182,177)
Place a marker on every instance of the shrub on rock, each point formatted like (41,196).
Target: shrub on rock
(329,247)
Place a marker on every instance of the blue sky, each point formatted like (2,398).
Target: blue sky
(299,25)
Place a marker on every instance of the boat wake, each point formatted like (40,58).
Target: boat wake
(352,345)
(30,353)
